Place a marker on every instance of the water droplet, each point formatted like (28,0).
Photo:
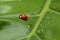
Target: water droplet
(31,12)
(28,26)
(41,25)
(42,30)
(38,10)
(38,31)
(35,12)
(45,36)
(47,17)
(31,18)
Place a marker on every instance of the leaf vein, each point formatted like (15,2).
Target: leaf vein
(43,12)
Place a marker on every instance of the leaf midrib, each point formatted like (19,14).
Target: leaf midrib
(43,12)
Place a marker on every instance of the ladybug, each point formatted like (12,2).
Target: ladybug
(23,16)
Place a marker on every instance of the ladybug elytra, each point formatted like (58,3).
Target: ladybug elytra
(23,17)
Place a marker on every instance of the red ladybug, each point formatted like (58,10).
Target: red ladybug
(23,16)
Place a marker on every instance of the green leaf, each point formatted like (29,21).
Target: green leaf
(43,20)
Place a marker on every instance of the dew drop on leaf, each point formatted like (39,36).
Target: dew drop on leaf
(31,18)
(42,30)
(35,12)
(48,17)
(28,26)
(38,31)
(45,36)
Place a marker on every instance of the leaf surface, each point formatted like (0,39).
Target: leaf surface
(43,20)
